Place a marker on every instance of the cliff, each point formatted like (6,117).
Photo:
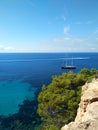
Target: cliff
(87,113)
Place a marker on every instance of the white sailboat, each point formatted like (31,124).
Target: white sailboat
(67,65)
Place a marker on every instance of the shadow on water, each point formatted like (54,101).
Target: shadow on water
(34,72)
(25,119)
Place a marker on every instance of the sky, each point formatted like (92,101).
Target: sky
(48,25)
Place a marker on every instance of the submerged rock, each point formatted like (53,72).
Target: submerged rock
(87,114)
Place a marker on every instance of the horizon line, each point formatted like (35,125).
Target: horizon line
(53,52)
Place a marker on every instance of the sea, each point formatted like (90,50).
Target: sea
(23,74)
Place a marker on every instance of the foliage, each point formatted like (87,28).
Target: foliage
(58,102)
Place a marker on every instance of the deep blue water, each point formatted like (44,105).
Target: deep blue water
(22,74)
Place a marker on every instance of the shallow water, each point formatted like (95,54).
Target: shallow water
(12,94)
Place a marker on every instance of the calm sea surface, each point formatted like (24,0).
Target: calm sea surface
(22,74)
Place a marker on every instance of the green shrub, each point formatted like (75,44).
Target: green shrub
(58,102)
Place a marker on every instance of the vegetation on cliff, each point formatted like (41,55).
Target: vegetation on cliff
(58,102)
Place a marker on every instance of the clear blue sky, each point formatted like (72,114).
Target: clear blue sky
(48,25)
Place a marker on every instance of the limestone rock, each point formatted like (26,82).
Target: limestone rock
(87,114)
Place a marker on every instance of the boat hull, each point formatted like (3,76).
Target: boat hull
(68,67)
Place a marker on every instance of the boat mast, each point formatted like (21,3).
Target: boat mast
(66,59)
(72,61)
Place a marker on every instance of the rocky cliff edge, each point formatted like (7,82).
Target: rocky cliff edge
(87,114)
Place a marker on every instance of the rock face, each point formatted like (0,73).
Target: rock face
(87,114)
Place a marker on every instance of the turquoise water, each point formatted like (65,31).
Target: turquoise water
(12,94)
(23,74)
